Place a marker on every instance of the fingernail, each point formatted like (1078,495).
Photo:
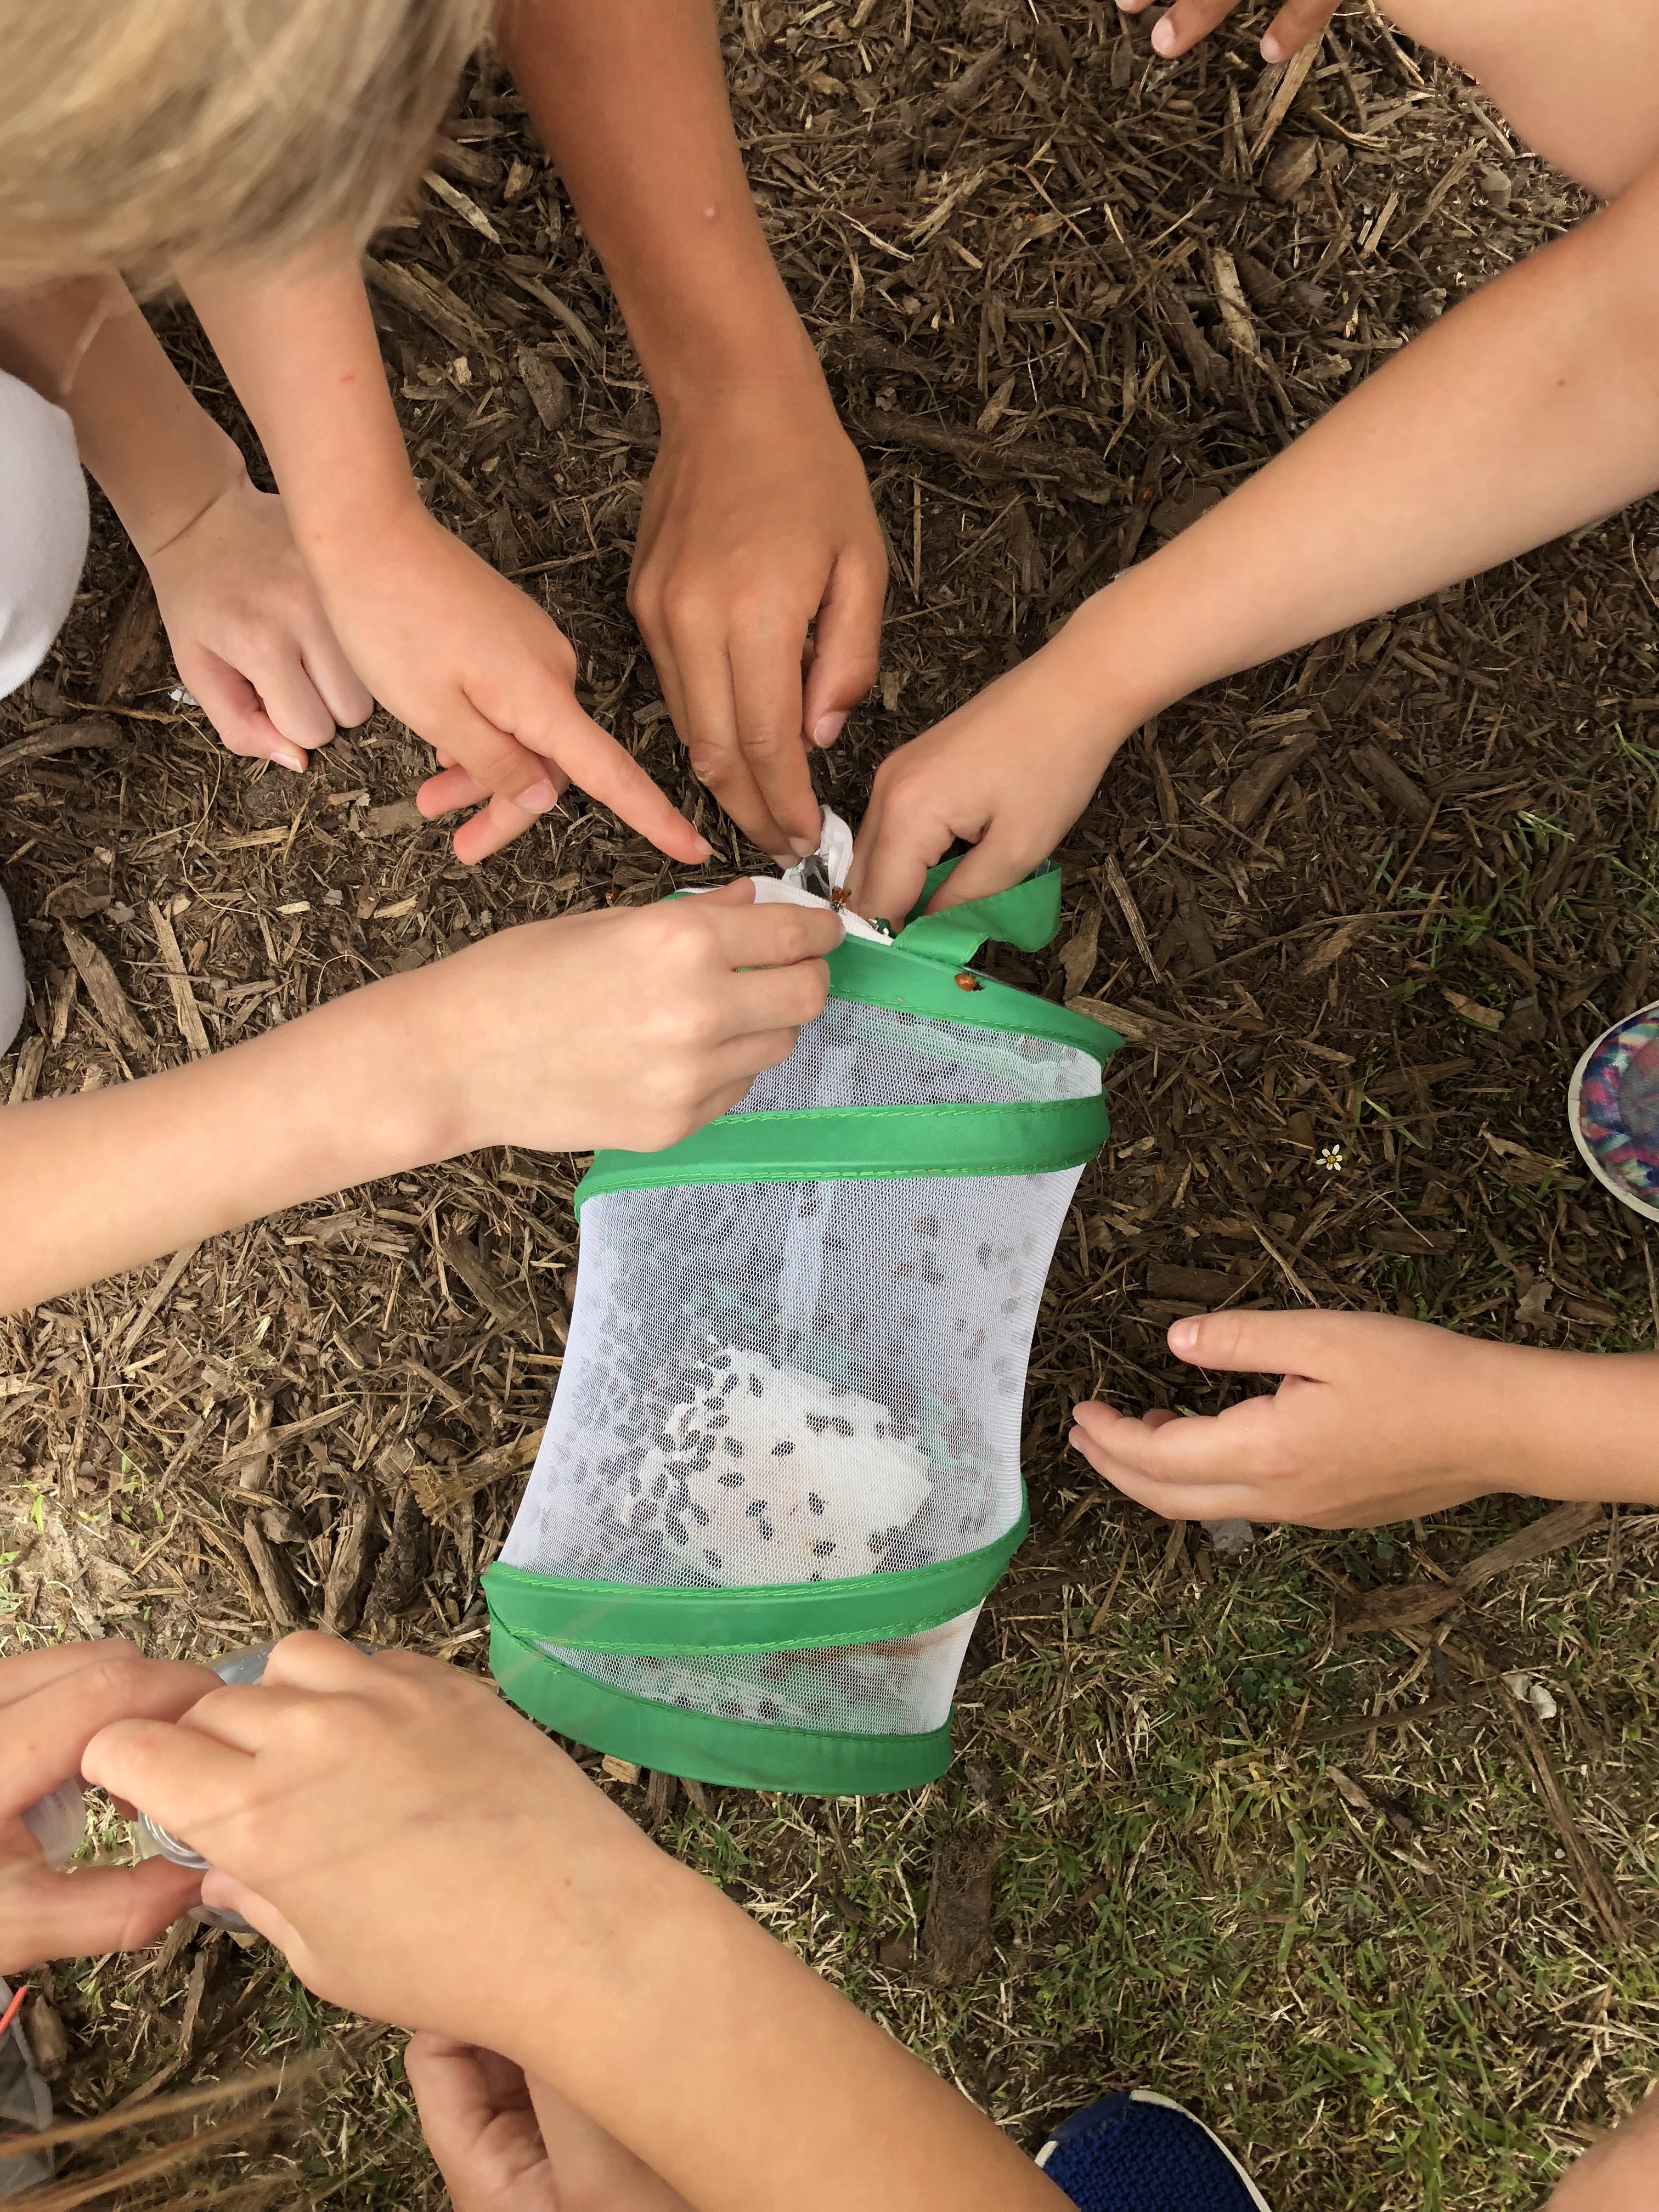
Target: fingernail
(1164,38)
(539,797)
(828,728)
(701,850)
(1272,50)
(294,760)
(800,847)
(1184,1338)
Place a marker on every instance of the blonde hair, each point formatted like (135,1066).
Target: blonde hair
(143,135)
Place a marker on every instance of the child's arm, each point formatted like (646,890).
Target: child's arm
(423,1855)
(52,1702)
(758,523)
(465,658)
(1532,408)
(249,638)
(631,1028)
(1378,1419)
(1621,2175)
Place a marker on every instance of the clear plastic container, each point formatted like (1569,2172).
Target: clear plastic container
(238,1669)
(58,1821)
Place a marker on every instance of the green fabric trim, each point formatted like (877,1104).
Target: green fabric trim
(1026,914)
(708,1746)
(624,1617)
(864,1144)
(912,983)
(920,973)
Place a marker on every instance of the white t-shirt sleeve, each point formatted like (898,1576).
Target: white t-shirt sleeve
(43,528)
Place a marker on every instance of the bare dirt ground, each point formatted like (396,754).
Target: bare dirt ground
(1357,913)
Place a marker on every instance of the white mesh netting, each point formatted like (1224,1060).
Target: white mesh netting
(793,1383)
(899,1688)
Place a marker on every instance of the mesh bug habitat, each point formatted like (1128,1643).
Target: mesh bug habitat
(781,1472)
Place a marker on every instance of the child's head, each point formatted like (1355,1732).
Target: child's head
(143,135)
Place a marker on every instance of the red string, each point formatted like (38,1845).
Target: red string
(13,2008)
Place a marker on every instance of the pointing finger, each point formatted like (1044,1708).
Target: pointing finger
(846,652)
(561,734)
(1186,23)
(766,690)
(1294,26)
(1306,1343)
(706,719)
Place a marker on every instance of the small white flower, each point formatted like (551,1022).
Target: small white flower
(1332,1158)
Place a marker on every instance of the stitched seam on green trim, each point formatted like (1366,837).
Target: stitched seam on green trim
(637,1648)
(965,1109)
(603,1183)
(829,1638)
(1067,1132)
(1012,1012)
(755,1596)
(970,1111)
(979,1572)
(684,1649)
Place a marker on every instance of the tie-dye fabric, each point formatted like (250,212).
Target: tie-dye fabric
(1616,1119)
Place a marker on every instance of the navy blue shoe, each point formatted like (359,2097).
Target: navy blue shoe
(1143,2152)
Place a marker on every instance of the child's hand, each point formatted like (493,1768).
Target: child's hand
(505,2143)
(628,1027)
(473,665)
(1378,1419)
(757,528)
(407,1839)
(1620,2173)
(52,1702)
(424,1855)
(1183,25)
(480,2127)
(1008,774)
(249,636)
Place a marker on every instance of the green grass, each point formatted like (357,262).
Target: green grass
(1185,1900)
(1382,2017)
